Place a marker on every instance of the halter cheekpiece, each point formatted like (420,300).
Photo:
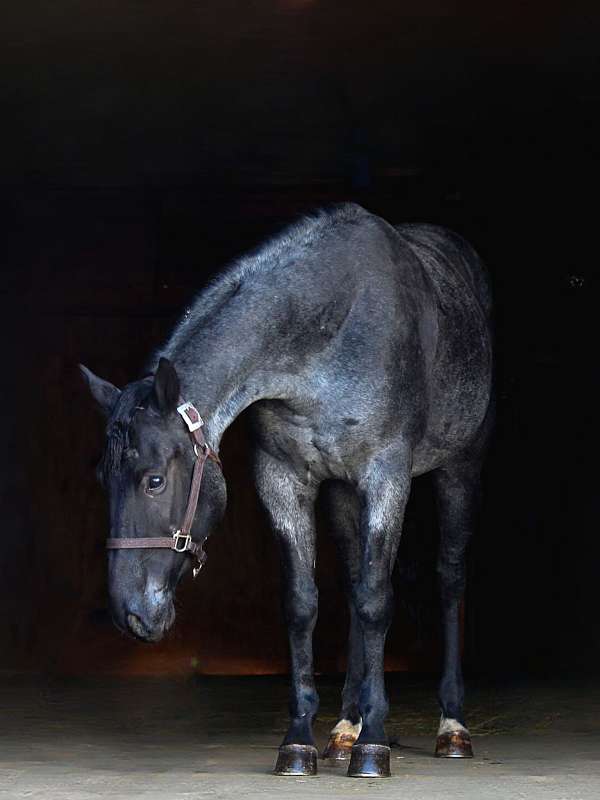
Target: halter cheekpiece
(181,541)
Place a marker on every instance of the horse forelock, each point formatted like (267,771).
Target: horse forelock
(118,431)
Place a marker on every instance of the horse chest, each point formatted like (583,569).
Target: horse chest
(314,450)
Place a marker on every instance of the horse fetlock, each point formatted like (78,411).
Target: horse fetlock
(374,708)
(303,710)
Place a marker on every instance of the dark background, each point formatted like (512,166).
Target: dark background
(144,144)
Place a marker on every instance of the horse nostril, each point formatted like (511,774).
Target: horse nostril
(137,626)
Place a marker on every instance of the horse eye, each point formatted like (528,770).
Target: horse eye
(154,482)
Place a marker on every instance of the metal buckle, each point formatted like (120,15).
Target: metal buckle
(205,448)
(187,539)
(192,425)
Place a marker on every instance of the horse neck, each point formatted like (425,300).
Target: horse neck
(226,364)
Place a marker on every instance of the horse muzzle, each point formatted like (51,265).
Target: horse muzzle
(146,616)
(146,631)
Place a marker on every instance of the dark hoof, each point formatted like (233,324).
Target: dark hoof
(369,761)
(296,759)
(339,747)
(454,745)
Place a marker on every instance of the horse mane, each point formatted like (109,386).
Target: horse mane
(118,439)
(277,252)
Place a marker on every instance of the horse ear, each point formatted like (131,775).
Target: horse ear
(166,387)
(103,392)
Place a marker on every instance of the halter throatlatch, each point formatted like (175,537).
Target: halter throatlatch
(181,541)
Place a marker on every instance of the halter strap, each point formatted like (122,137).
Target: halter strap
(181,541)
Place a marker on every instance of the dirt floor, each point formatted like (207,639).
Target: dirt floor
(217,738)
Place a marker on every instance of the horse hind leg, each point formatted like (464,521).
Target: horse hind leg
(347,729)
(457,489)
(343,512)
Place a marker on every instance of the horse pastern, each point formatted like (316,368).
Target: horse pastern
(346,728)
(450,726)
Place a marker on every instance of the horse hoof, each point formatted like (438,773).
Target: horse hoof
(336,751)
(341,739)
(369,761)
(456,744)
(338,748)
(296,759)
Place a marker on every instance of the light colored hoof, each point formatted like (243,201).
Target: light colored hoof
(453,741)
(339,747)
(341,739)
(454,745)
(296,760)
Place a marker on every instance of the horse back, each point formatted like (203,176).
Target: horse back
(450,262)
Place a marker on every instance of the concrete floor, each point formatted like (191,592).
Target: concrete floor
(217,738)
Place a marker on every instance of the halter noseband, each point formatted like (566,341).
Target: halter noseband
(181,541)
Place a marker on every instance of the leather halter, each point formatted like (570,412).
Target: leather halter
(181,541)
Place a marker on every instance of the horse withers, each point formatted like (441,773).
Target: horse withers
(363,354)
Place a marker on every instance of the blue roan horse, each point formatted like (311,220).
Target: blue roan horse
(363,352)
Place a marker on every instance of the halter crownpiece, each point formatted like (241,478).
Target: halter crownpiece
(181,541)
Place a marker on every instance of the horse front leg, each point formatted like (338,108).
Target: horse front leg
(290,505)
(385,491)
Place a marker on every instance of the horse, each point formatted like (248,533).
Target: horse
(363,354)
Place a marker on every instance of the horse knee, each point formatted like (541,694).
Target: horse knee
(374,608)
(301,608)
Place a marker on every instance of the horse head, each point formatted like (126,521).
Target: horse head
(150,466)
